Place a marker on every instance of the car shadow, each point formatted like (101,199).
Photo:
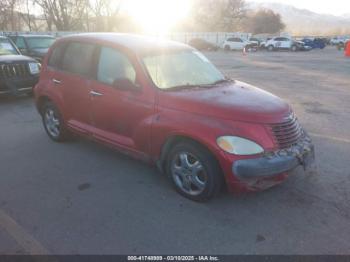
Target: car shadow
(7,99)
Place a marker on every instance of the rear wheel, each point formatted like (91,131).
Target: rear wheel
(294,48)
(54,124)
(227,48)
(270,48)
(193,171)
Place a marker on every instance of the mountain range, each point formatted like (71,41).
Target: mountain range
(305,22)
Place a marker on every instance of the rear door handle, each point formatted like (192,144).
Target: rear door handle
(93,93)
(57,82)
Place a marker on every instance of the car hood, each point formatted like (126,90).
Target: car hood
(236,101)
(40,51)
(9,59)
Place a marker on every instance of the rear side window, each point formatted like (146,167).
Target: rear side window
(282,39)
(234,40)
(78,59)
(114,65)
(56,56)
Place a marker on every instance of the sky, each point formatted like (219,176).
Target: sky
(333,7)
(149,13)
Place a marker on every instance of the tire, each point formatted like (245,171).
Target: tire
(248,48)
(270,48)
(54,124)
(193,171)
(341,46)
(294,48)
(227,48)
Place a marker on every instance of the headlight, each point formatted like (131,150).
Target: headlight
(34,68)
(239,146)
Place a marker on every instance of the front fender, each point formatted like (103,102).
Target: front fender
(171,123)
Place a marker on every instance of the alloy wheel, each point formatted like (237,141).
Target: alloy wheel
(52,123)
(188,173)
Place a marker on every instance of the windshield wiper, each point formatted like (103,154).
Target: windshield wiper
(179,87)
(221,81)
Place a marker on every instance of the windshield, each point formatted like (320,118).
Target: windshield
(40,42)
(6,48)
(181,69)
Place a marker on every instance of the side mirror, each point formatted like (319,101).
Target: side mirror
(124,84)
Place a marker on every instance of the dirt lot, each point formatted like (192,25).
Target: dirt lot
(82,198)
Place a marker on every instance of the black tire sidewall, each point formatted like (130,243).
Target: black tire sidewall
(209,163)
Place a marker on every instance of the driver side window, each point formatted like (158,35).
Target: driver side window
(114,65)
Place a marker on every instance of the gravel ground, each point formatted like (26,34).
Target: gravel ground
(83,198)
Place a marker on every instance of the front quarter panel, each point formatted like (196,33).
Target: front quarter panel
(205,130)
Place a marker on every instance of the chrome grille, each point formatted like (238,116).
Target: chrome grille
(287,133)
(8,71)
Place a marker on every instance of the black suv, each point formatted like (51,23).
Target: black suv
(18,73)
(35,46)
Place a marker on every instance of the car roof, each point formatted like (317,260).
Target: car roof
(136,43)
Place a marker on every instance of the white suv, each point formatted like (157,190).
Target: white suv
(339,40)
(280,43)
(236,43)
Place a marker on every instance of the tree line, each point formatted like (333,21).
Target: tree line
(107,15)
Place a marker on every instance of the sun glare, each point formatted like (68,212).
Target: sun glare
(157,16)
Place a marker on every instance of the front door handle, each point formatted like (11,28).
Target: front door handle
(57,82)
(93,93)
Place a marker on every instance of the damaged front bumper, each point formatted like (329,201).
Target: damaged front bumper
(273,164)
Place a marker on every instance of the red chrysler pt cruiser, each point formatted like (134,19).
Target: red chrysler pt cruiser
(165,103)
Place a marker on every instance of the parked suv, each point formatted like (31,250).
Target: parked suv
(339,40)
(165,103)
(285,43)
(18,73)
(236,43)
(35,46)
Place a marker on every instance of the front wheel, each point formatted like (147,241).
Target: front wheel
(270,48)
(193,171)
(227,48)
(294,48)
